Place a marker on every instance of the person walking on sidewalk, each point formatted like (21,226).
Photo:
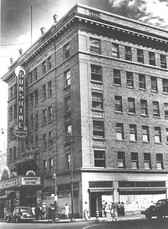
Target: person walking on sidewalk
(86,211)
(66,211)
(113,211)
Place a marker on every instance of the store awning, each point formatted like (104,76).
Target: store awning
(109,190)
(141,190)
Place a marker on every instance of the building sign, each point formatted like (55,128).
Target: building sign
(20,129)
(31,181)
(25,159)
(10,183)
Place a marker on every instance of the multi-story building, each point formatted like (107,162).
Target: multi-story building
(96,94)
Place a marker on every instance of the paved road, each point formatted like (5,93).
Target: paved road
(124,224)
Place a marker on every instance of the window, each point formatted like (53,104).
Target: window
(45,166)
(133,132)
(130,79)
(35,74)
(166,110)
(68,129)
(99,158)
(159,161)
(119,131)
(163,61)
(156,112)
(44,67)
(121,159)
(51,164)
(49,89)
(11,113)
(30,77)
(145,133)
(142,81)
(98,129)
(96,73)
(68,104)
(94,45)
(167,135)
(31,122)
(44,116)
(140,56)
(134,160)
(36,121)
(115,50)
(157,132)
(67,78)
(50,139)
(97,100)
(118,103)
(36,139)
(44,142)
(128,53)
(67,50)
(144,109)
(11,132)
(131,105)
(15,89)
(31,100)
(44,92)
(50,114)
(165,85)
(49,63)
(151,58)
(36,97)
(15,111)
(154,84)
(147,160)
(117,76)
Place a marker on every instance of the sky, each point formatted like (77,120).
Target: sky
(15,25)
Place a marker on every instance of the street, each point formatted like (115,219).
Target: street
(124,224)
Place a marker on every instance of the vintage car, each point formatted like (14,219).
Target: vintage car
(159,210)
(20,214)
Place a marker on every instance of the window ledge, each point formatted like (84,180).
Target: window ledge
(154,91)
(98,110)
(119,112)
(133,141)
(158,117)
(147,116)
(142,89)
(99,139)
(129,87)
(158,143)
(146,142)
(96,81)
(117,85)
(129,113)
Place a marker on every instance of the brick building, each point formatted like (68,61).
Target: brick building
(96,88)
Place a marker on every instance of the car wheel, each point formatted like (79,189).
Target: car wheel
(17,220)
(159,216)
(148,216)
(8,219)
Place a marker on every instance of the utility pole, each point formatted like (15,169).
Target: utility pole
(72,191)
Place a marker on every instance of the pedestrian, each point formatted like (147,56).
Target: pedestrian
(53,211)
(105,209)
(122,209)
(66,211)
(119,209)
(43,211)
(33,210)
(113,211)
(37,211)
(50,212)
(86,211)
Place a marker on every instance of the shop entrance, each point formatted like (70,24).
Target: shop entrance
(97,199)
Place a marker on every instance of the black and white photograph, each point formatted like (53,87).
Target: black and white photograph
(84,114)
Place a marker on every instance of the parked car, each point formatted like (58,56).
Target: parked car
(20,214)
(159,209)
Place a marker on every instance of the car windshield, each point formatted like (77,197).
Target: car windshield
(160,202)
(25,209)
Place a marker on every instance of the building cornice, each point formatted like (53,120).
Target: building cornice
(100,19)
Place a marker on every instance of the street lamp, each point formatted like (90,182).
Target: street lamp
(55,197)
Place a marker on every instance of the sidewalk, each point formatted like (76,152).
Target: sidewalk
(128,216)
